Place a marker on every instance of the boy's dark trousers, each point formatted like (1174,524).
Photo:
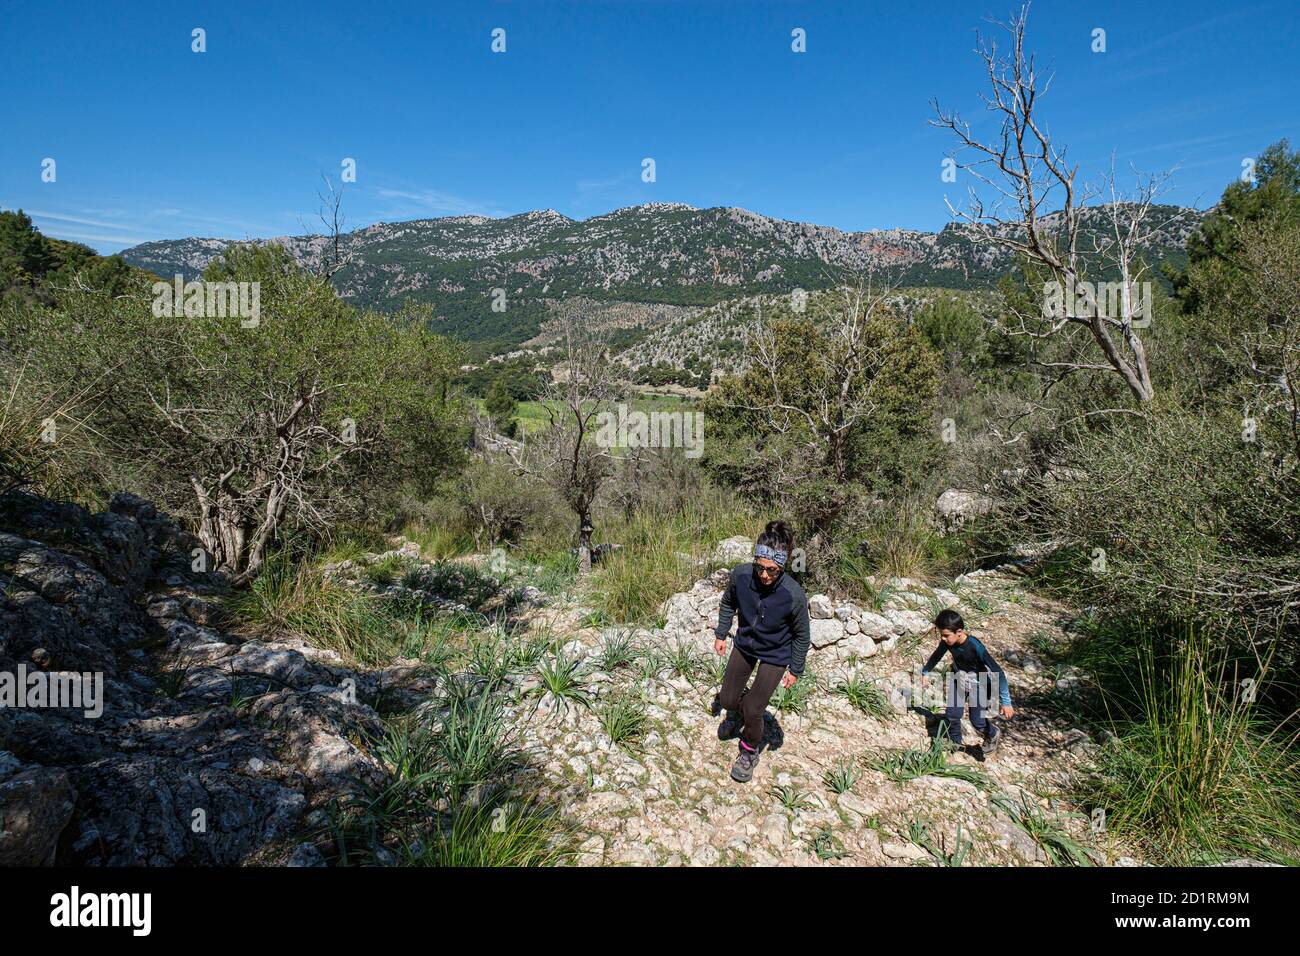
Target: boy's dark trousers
(752,704)
(963,690)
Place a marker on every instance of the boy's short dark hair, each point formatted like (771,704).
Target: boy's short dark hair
(949,620)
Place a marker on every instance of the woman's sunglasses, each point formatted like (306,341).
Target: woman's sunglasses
(766,571)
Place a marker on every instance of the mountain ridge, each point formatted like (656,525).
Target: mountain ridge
(661,253)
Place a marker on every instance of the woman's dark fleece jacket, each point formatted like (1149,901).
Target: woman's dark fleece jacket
(773,620)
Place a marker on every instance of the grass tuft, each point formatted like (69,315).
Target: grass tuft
(1193,772)
(904,765)
(841,777)
(623,717)
(865,695)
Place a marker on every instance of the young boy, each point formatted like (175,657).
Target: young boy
(972,665)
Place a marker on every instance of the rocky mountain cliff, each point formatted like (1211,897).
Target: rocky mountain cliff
(173,769)
(666,253)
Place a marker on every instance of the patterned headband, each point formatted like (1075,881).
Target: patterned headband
(763,551)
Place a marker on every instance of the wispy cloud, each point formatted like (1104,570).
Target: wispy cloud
(1183,150)
(597,194)
(595,185)
(431,202)
(116,228)
(238,227)
(119,239)
(59,217)
(1155,57)
(1201,26)
(67,225)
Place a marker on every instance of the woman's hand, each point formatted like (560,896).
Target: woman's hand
(1007,712)
(719,646)
(788,680)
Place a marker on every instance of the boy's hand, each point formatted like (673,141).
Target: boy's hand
(1007,712)
(719,646)
(788,680)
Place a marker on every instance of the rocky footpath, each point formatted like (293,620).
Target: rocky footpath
(209,749)
(666,798)
(213,747)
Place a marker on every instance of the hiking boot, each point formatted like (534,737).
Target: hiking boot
(991,741)
(730,727)
(743,769)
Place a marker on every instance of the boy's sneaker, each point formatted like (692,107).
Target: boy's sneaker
(743,769)
(991,740)
(730,727)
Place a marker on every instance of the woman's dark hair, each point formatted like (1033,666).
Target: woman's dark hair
(949,620)
(777,535)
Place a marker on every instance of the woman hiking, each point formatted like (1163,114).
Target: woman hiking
(773,635)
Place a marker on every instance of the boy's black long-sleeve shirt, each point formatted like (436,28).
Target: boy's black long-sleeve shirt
(773,620)
(971,655)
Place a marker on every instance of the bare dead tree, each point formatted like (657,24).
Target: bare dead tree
(333,255)
(568,454)
(1027,174)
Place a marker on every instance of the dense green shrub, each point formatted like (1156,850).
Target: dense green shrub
(1173,514)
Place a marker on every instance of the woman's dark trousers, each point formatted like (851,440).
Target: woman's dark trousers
(752,704)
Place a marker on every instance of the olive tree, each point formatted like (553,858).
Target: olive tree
(834,402)
(304,414)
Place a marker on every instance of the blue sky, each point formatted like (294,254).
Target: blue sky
(154,141)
